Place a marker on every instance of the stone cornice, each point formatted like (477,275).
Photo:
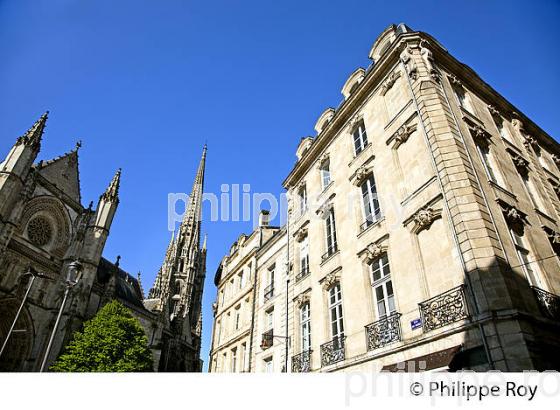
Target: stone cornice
(376,74)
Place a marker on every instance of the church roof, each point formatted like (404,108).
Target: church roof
(63,171)
(127,287)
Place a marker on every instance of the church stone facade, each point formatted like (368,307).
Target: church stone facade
(423,233)
(44,228)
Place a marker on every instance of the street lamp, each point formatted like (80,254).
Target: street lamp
(73,276)
(33,275)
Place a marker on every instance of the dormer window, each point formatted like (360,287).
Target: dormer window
(360,138)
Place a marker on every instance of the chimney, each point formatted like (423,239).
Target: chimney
(263,218)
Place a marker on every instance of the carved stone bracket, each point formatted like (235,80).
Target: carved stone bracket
(479,134)
(361,174)
(554,236)
(355,121)
(374,251)
(390,81)
(330,280)
(424,218)
(529,141)
(302,299)
(410,65)
(521,164)
(455,81)
(493,110)
(322,160)
(323,210)
(428,59)
(517,123)
(301,234)
(511,213)
(402,135)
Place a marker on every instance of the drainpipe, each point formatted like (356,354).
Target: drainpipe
(446,205)
(254,301)
(287,284)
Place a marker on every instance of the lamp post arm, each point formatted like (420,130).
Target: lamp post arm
(51,339)
(17,314)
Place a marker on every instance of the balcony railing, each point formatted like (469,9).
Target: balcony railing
(302,274)
(267,339)
(333,351)
(549,303)
(269,292)
(383,332)
(331,251)
(444,309)
(370,221)
(301,363)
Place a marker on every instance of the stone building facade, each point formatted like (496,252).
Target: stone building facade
(424,225)
(43,229)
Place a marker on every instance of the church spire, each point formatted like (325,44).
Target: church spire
(32,137)
(111,194)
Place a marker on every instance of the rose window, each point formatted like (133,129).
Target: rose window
(39,231)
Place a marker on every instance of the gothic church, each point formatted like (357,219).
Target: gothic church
(44,228)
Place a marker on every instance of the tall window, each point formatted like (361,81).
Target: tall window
(302,193)
(304,257)
(383,287)
(243,357)
(241,280)
(326,173)
(234,360)
(525,258)
(332,245)
(532,192)
(237,317)
(463,98)
(335,309)
(502,129)
(268,365)
(371,209)
(219,326)
(360,138)
(269,319)
(222,297)
(269,289)
(305,322)
(487,162)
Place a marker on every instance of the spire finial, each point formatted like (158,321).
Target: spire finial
(78,145)
(32,137)
(112,192)
(118,262)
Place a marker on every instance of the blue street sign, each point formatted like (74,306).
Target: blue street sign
(416,323)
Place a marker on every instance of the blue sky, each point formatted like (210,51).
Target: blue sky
(145,83)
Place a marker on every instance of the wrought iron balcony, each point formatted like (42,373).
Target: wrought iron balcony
(267,339)
(302,274)
(269,292)
(331,251)
(383,332)
(301,363)
(444,309)
(333,351)
(549,303)
(370,221)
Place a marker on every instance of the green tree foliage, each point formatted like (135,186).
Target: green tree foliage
(113,341)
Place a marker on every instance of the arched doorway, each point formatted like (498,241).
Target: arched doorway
(19,346)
